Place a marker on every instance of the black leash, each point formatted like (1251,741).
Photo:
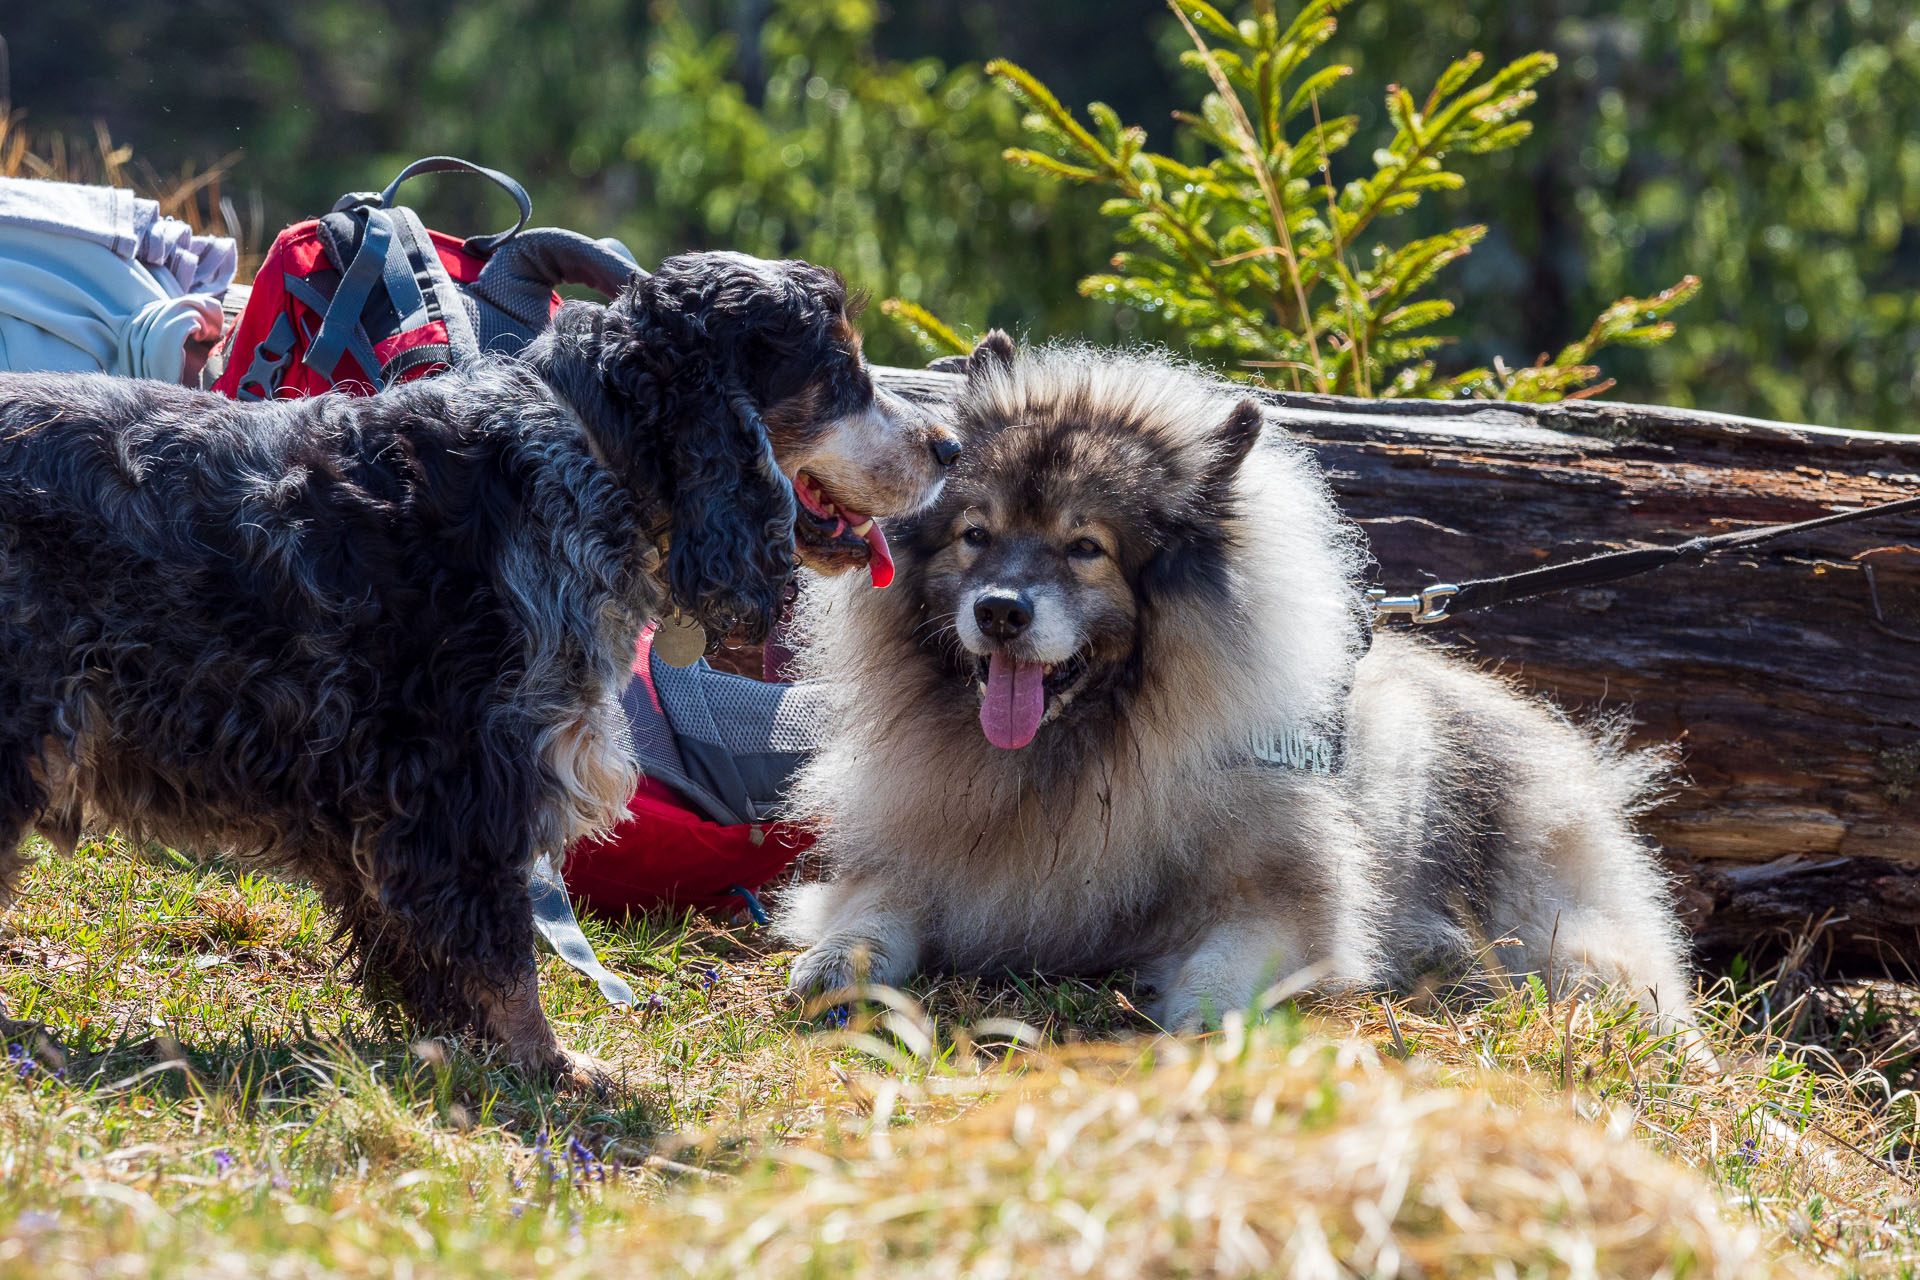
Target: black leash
(1444,600)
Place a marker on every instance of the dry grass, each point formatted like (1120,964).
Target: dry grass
(1270,1154)
(197,196)
(228,1106)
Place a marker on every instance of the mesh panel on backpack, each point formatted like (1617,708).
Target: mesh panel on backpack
(738,739)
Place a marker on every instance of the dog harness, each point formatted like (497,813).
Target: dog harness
(1300,750)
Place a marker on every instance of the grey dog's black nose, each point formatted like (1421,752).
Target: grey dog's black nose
(945,446)
(1003,613)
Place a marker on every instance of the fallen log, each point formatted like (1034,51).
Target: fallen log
(1788,677)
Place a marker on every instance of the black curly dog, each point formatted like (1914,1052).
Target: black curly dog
(380,642)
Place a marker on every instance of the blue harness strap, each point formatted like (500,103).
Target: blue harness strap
(350,296)
(358,345)
(553,916)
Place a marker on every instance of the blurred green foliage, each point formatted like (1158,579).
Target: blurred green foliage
(1256,255)
(1770,146)
(813,147)
(666,126)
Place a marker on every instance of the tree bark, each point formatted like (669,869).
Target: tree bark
(1787,678)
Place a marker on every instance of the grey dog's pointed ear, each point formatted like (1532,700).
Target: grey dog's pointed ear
(995,348)
(1235,439)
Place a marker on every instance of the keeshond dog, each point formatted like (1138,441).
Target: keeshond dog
(1122,713)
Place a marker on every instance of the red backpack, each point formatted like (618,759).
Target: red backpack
(715,751)
(368,296)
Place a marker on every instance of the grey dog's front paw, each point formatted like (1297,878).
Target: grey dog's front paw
(835,964)
(1184,1010)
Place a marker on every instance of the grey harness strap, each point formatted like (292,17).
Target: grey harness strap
(725,743)
(553,917)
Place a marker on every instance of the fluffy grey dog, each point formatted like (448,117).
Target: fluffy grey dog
(381,642)
(1118,715)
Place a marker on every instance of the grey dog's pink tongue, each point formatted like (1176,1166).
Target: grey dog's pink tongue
(1016,699)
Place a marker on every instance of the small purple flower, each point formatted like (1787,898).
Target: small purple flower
(222,1162)
(545,1153)
(838,1016)
(587,1165)
(1750,1151)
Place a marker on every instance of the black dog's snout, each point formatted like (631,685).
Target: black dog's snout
(945,446)
(1002,613)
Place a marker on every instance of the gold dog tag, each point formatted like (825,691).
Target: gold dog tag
(681,640)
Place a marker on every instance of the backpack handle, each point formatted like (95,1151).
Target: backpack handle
(480,245)
(521,278)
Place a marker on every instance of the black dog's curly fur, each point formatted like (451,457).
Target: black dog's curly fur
(378,642)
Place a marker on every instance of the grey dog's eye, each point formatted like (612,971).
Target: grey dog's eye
(1085,549)
(975,536)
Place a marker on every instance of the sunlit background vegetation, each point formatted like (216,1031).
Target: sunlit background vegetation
(1770,148)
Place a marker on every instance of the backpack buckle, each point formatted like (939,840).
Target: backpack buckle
(359,200)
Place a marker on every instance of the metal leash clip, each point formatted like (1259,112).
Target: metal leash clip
(1429,606)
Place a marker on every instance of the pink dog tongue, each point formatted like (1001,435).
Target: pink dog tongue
(880,563)
(1016,699)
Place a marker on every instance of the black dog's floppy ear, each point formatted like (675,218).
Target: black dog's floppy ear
(732,544)
(1234,439)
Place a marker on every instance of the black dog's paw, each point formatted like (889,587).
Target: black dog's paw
(581,1073)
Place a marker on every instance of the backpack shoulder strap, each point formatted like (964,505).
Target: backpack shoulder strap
(446,299)
(742,738)
(657,742)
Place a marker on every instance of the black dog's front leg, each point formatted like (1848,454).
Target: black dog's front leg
(510,1016)
(441,985)
(449,922)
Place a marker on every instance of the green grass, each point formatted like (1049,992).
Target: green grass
(221,1101)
